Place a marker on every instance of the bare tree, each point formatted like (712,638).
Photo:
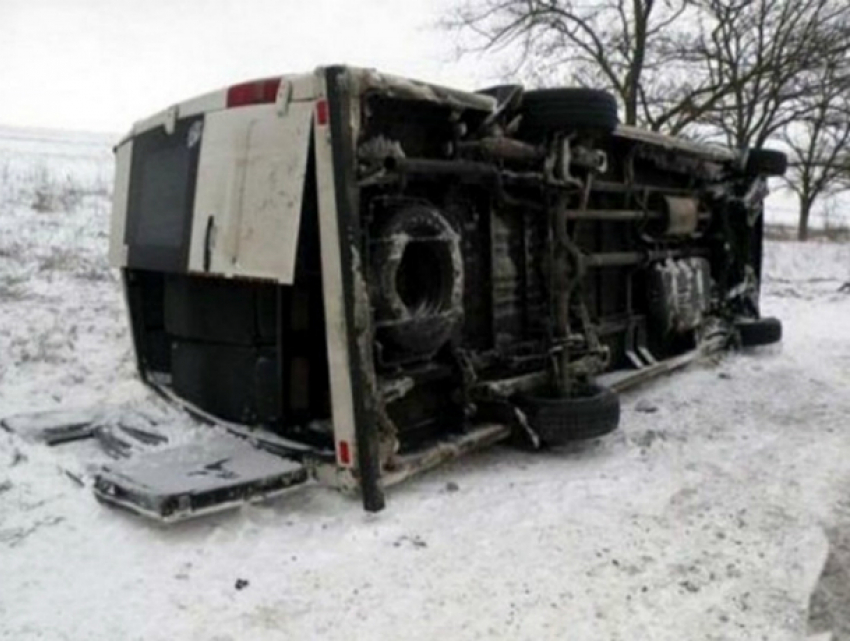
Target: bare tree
(617,44)
(787,66)
(770,56)
(819,144)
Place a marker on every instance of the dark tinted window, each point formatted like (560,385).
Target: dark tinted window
(162,199)
(161,196)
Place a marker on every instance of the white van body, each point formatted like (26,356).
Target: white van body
(260,230)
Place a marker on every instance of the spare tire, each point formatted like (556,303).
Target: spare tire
(417,280)
(591,412)
(568,109)
(759,331)
(766,162)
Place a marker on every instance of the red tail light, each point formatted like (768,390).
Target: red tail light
(344,453)
(322,112)
(255,92)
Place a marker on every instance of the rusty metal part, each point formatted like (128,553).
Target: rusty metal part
(429,166)
(569,271)
(507,387)
(504,149)
(623,259)
(609,186)
(681,214)
(613,215)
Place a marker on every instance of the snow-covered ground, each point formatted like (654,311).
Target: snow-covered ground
(709,514)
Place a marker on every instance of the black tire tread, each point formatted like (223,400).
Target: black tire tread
(761,331)
(569,108)
(594,413)
(766,162)
(414,334)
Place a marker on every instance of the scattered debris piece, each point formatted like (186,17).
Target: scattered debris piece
(174,483)
(112,445)
(143,436)
(412,541)
(646,407)
(690,586)
(241,584)
(74,477)
(53,427)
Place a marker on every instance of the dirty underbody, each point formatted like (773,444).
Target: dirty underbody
(497,259)
(503,259)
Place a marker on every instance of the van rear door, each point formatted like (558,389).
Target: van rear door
(215,187)
(249,192)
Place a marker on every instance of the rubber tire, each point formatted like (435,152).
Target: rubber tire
(568,109)
(423,332)
(593,413)
(759,331)
(766,162)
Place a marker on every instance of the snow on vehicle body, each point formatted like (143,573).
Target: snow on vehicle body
(385,274)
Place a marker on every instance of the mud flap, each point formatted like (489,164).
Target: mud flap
(196,479)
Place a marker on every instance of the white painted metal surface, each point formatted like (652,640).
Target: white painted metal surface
(117,247)
(196,478)
(251,172)
(336,328)
(297,87)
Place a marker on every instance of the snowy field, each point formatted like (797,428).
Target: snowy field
(709,515)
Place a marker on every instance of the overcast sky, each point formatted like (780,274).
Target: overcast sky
(99,65)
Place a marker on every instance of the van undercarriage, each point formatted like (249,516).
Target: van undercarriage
(464,268)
